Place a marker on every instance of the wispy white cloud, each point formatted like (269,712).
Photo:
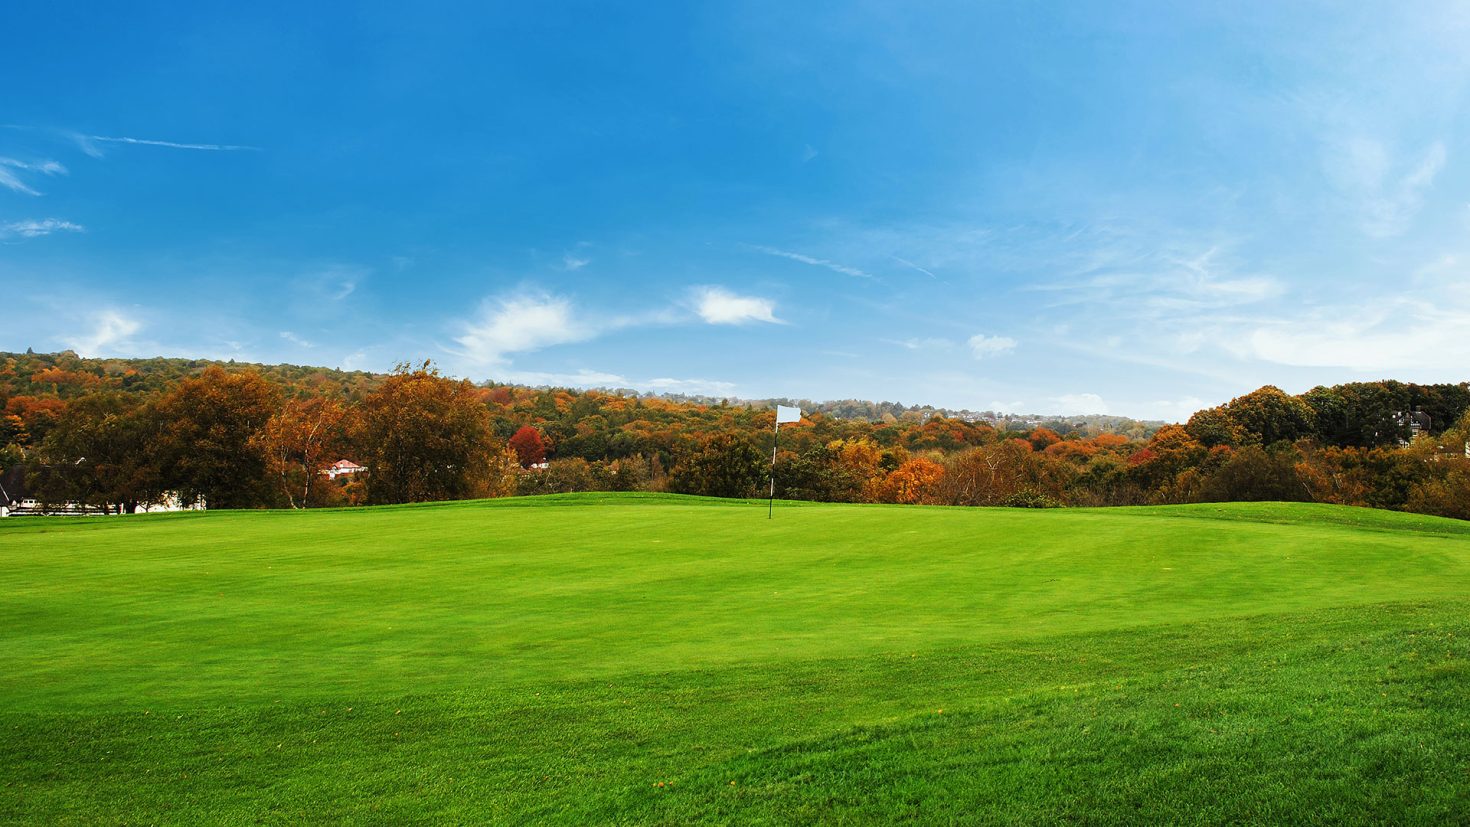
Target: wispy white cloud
(43,167)
(1417,325)
(88,144)
(1393,335)
(35,228)
(330,284)
(817,262)
(573,262)
(912,266)
(109,331)
(295,340)
(1388,193)
(1167,282)
(521,323)
(983,346)
(13,180)
(717,305)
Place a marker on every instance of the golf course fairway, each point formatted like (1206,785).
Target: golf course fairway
(642,658)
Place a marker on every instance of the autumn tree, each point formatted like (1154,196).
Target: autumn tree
(945,434)
(504,469)
(1043,438)
(301,440)
(861,461)
(1333,475)
(993,474)
(1163,468)
(1256,474)
(211,444)
(561,476)
(915,481)
(36,414)
(1446,496)
(1269,415)
(425,437)
(1105,480)
(110,441)
(623,474)
(1212,427)
(529,447)
(1446,491)
(13,431)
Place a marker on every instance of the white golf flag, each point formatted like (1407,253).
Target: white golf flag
(785,414)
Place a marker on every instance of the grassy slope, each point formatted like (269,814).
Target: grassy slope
(539,658)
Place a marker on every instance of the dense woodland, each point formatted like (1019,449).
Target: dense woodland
(113,434)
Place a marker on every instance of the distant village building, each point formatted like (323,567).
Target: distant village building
(1417,422)
(343,468)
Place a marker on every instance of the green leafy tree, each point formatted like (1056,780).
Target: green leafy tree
(725,465)
(818,475)
(1361,414)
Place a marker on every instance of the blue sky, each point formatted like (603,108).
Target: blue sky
(1129,208)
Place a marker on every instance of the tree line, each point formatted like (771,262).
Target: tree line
(119,433)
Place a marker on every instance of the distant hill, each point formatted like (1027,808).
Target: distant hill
(65,374)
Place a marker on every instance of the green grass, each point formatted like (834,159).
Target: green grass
(556,659)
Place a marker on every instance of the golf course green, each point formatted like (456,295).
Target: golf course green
(644,658)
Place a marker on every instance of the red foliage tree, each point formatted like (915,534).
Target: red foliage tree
(529,447)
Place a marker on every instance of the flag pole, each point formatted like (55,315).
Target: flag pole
(771,504)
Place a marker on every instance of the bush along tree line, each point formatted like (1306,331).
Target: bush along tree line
(119,433)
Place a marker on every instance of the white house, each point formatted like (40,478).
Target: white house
(342,468)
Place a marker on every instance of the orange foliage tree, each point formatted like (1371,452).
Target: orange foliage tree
(426,437)
(301,439)
(211,444)
(914,482)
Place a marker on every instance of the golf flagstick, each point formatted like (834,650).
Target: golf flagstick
(783,414)
(771,503)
